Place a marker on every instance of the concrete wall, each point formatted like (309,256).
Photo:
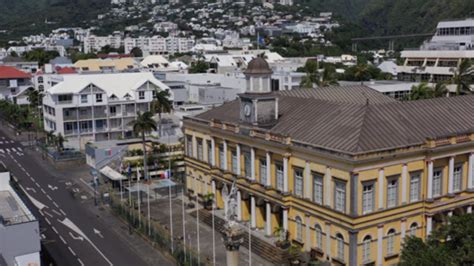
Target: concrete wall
(19,239)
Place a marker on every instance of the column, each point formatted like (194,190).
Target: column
(253,216)
(285,174)
(307,242)
(269,170)
(239,206)
(379,245)
(470,172)
(381,188)
(430,180)
(328,240)
(327,187)
(404,183)
(429,224)
(268,219)
(403,228)
(213,187)
(285,220)
(205,149)
(224,144)
(252,163)
(237,151)
(469,209)
(213,152)
(307,181)
(451,175)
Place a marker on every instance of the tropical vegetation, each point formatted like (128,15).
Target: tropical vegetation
(161,104)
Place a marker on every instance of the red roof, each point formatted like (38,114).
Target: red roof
(7,72)
(65,70)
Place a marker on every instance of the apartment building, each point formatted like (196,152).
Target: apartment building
(347,171)
(437,59)
(159,45)
(19,229)
(98,107)
(14,84)
(94,43)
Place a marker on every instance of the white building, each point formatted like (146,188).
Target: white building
(438,58)
(98,107)
(14,84)
(159,45)
(94,43)
(19,229)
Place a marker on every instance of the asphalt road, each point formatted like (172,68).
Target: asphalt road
(70,231)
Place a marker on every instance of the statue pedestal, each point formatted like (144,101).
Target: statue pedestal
(233,238)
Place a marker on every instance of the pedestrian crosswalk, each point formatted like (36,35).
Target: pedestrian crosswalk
(12,150)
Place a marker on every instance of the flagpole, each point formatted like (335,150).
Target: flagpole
(138,193)
(148,204)
(258,40)
(169,193)
(184,222)
(250,243)
(213,235)
(197,225)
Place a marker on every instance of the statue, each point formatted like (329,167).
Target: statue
(230,204)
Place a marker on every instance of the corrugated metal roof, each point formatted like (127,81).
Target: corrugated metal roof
(338,123)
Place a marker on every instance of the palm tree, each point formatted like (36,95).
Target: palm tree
(142,125)
(60,142)
(362,73)
(463,77)
(440,90)
(327,78)
(161,104)
(420,92)
(307,81)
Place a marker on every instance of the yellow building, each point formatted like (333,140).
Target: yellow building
(348,172)
(106,65)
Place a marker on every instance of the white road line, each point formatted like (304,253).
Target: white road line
(42,190)
(8,150)
(62,239)
(47,196)
(2,151)
(88,185)
(54,229)
(20,149)
(47,221)
(57,213)
(80,261)
(55,204)
(70,249)
(49,214)
(36,183)
(13,149)
(61,211)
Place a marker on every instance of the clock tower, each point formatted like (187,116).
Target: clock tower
(258,105)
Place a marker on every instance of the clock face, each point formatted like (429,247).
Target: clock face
(247,110)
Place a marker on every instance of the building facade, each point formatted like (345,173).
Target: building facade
(347,171)
(159,45)
(98,107)
(14,84)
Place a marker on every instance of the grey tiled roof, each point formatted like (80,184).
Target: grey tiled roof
(337,123)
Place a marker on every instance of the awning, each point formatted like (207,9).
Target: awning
(112,174)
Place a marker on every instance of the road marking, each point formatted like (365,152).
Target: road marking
(43,236)
(55,204)
(47,196)
(62,239)
(2,151)
(87,184)
(35,202)
(53,188)
(47,220)
(60,210)
(76,229)
(54,229)
(20,149)
(97,232)
(56,212)
(76,237)
(42,190)
(80,261)
(47,213)
(8,150)
(13,149)
(70,249)
(31,189)
(36,183)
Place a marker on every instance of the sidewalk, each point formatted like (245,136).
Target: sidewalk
(160,210)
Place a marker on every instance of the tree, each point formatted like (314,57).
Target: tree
(136,52)
(327,78)
(34,98)
(450,244)
(362,73)
(440,90)
(161,104)
(40,55)
(463,77)
(420,92)
(199,66)
(142,125)
(59,141)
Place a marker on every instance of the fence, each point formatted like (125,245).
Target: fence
(65,155)
(184,255)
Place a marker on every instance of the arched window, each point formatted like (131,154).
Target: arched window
(340,246)
(366,248)
(319,236)
(41,88)
(390,241)
(40,79)
(299,229)
(413,228)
